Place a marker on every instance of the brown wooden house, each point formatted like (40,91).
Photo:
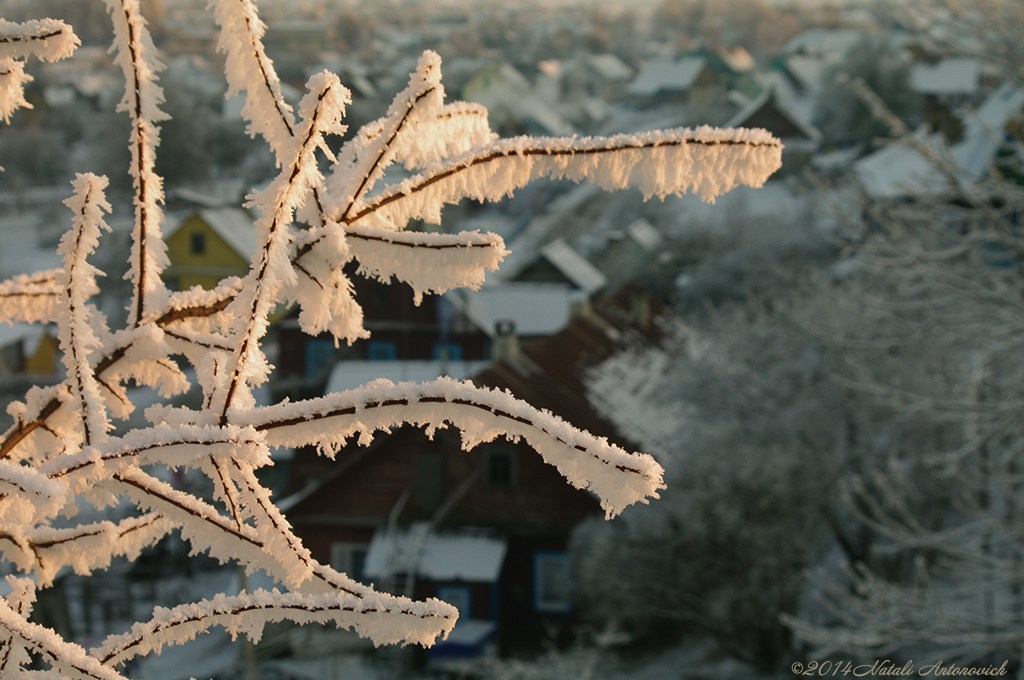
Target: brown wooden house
(799,138)
(486,529)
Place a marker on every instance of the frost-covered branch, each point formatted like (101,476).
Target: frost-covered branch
(136,56)
(47,39)
(321,111)
(31,297)
(78,334)
(84,548)
(618,478)
(248,613)
(707,161)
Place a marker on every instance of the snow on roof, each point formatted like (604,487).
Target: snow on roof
(234,225)
(349,375)
(738,59)
(956,75)
(28,332)
(644,233)
(574,266)
(610,67)
(215,194)
(664,73)
(808,69)
(768,97)
(532,108)
(898,169)
(440,557)
(984,130)
(537,309)
(836,41)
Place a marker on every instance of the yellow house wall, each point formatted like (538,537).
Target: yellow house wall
(46,357)
(204,269)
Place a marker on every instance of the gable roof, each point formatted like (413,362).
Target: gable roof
(609,66)
(574,266)
(666,74)
(768,106)
(898,169)
(537,309)
(554,375)
(234,225)
(952,76)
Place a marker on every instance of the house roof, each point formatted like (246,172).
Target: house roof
(823,41)
(574,266)
(609,66)
(666,74)
(553,377)
(952,76)
(768,99)
(436,556)
(234,225)
(644,233)
(898,169)
(537,309)
(350,375)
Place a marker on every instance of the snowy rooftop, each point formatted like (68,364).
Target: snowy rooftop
(662,74)
(439,557)
(610,67)
(349,375)
(537,309)
(948,76)
(769,97)
(234,225)
(574,266)
(899,169)
(837,41)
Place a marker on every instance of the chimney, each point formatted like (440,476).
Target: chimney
(640,304)
(505,344)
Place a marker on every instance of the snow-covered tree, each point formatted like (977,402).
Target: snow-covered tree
(61,452)
(934,334)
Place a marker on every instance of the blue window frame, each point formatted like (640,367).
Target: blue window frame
(447,351)
(379,350)
(458,597)
(552,582)
(319,356)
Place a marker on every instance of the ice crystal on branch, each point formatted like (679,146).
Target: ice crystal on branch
(311,223)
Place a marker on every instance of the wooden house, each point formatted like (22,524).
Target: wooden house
(29,350)
(487,529)
(207,246)
(800,139)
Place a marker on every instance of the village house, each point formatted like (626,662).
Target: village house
(485,529)
(800,138)
(208,245)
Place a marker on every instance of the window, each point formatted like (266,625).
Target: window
(456,596)
(428,484)
(501,469)
(552,582)
(381,351)
(349,558)
(319,356)
(447,351)
(197,243)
